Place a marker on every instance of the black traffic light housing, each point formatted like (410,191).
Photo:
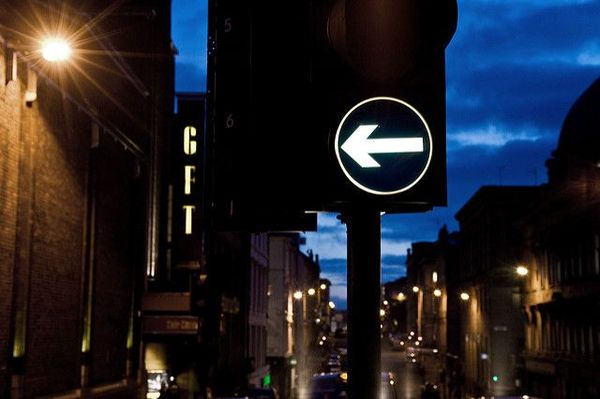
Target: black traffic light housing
(293,69)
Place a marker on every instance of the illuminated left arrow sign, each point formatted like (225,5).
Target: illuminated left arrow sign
(360,147)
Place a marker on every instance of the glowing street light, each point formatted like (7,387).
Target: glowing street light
(522,271)
(311,291)
(298,295)
(464,296)
(331,305)
(56,49)
(415,289)
(323,286)
(381,312)
(401,297)
(437,292)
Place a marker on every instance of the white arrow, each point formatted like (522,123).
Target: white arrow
(359,146)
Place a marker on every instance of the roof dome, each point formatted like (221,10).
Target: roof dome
(580,133)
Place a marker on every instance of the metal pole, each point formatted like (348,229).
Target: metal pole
(364,334)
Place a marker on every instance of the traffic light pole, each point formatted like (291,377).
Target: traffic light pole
(364,334)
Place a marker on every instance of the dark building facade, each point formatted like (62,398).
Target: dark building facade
(77,169)
(562,251)
(490,252)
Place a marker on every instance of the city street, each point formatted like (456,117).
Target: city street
(408,378)
(312,199)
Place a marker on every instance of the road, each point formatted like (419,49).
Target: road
(408,379)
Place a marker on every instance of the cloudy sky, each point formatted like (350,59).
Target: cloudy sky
(514,68)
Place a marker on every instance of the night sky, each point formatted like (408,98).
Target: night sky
(514,68)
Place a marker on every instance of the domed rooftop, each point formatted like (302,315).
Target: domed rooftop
(580,133)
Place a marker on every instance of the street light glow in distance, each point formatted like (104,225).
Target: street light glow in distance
(56,49)
(522,271)
(464,296)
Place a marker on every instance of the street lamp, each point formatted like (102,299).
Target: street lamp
(464,296)
(331,305)
(522,271)
(437,292)
(323,286)
(298,295)
(415,289)
(311,291)
(56,49)
(401,297)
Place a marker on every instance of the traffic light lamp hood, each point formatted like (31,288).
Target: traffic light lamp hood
(386,41)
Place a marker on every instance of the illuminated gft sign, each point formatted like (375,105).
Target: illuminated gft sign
(190,148)
(186,194)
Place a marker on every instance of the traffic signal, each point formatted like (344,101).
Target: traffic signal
(379,77)
(323,104)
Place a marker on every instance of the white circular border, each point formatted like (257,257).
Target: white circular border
(337,147)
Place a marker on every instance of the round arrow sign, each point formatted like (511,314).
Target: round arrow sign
(383,145)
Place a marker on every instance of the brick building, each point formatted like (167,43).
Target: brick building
(77,173)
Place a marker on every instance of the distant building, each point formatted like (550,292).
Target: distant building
(296,312)
(395,294)
(427,299)
(491,320)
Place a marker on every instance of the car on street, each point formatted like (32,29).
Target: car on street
(335,386)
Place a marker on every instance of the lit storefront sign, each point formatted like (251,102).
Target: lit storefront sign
(171,325)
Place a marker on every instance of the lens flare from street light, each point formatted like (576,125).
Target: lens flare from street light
(464,296)
(522,271)
(56,49)
(298,295)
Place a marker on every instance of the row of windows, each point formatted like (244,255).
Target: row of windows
(558,337)
(570,261)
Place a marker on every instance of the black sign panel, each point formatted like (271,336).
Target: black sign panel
(384,146)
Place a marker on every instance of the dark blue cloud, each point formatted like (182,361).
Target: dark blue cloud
(517,97)
(189,32)
(522,31)
(190,77)
(392,267)
(516,63)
